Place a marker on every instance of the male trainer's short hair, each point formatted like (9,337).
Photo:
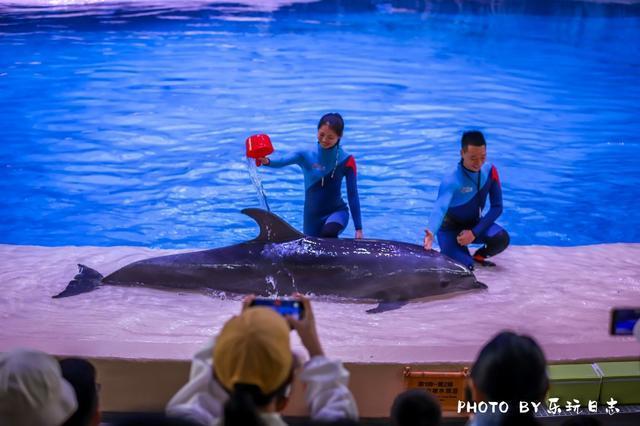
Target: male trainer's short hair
(472,137)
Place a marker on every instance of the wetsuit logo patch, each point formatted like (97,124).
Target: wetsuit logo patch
(466,189)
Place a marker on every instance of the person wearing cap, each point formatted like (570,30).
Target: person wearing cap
(244,376)
(33,391)
(325,212)
(457,217)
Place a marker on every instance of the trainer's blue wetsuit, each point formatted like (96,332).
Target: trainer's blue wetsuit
(461,199)
(325,212)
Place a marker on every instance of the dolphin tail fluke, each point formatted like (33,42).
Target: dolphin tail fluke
(85,281)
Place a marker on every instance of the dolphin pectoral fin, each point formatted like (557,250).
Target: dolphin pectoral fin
(86,280)
(273,228)
(387,306)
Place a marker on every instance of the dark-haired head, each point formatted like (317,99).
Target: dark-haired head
(81,374)
(415,408)
(474,150)
(510,368)
(334,121)
(473,138)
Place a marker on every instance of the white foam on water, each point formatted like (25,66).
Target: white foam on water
(560,295)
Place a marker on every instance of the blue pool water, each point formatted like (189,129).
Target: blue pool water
(123,125)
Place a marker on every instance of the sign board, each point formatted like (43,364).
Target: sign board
(447,386)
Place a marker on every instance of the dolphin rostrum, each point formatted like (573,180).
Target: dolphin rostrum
(281,260)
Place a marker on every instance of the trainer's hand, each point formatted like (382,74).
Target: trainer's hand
(263,161)
(428,239)
(306,328)
(466,237)
(359,234)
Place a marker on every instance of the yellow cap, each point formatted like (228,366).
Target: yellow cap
(253,348)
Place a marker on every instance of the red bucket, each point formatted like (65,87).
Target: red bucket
(258,146)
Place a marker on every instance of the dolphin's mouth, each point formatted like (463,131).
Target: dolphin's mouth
(481,285)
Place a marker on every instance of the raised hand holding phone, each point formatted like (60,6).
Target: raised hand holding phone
(298,313)
(287,307)
(306,328)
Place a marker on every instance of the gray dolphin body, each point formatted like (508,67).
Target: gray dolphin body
(283,260)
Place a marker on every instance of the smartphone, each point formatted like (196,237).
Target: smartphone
(284,307)
(623,320)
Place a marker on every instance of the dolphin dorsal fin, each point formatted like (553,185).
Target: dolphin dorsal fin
(272,227)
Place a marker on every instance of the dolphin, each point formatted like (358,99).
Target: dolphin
(281,260)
